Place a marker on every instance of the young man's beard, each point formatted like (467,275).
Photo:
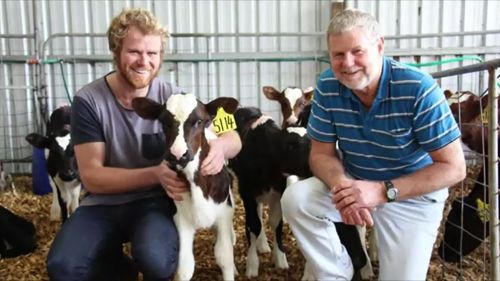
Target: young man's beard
(136,80)
(139,81)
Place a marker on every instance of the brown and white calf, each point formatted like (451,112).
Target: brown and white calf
(60,162)
(465,106)
(209,202)
(467,223)
(295,104)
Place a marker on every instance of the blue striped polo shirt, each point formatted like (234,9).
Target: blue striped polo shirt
(408,118)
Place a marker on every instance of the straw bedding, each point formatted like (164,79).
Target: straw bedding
(36,209)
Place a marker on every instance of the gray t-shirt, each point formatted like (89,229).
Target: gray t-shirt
(130,141)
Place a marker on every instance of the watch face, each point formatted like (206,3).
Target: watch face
(391,193)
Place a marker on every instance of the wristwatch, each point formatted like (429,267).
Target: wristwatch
(390,191)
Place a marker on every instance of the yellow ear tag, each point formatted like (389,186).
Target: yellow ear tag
(483,210)
(485,116)
(223,121)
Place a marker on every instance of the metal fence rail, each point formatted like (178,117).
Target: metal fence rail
(492,156)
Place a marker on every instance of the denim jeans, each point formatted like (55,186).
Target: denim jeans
(89,244)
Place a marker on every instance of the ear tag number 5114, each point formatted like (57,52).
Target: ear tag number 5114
(223,121)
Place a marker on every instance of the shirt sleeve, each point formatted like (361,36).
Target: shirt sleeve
(320,126)
(434,125)
(85,126)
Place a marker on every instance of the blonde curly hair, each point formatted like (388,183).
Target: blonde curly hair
(140,18)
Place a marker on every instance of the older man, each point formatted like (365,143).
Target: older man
(400,151)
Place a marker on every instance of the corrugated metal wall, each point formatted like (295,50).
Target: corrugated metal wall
(218,48)
(51,48)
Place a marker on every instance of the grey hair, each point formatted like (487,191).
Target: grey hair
(348,19)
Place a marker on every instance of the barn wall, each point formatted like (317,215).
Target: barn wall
(240,47)
(51,48)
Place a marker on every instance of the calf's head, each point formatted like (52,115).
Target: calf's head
(465,106)
(185,121)
(60,159)
(295,147)
(294,102)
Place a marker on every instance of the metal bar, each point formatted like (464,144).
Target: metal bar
(264,56)
(440,28)
(419,23)
(398,23)
(468,69)
(173,16)
(20,36)
(197,87)
(461,39)
(483,40)
(37,70)
(16,88)
(493,173)
(217,79)
(271,34)
(257,49)
(278,43)
(237,48)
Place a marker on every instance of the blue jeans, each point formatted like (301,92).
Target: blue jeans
(89,244)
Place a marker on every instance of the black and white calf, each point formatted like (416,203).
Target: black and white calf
(6,180)
(268,154)
(61,164)
(209,203)
(295,104)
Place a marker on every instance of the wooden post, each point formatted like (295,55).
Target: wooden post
(336,7)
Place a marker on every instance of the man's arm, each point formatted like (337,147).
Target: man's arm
(100,179)
(325,164)
(448,168)
(226,146)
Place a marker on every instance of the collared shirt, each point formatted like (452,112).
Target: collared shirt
(408,119)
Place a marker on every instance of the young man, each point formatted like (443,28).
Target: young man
(130,189)
(400,150)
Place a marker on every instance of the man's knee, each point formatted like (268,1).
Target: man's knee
(157,264)
(61,267)
(291,201)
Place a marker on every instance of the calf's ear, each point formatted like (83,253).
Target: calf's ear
(37,140)
(229,104)
(271,93)
(308,93)
(447,94)
(146,108)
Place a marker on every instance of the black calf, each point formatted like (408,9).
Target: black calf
(17,235)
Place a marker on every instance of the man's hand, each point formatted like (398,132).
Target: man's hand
(354,199)
(215,159)
(361,217)
(171,182)
(359,194)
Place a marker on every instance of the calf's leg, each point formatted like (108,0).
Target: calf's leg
(186,263)
(224,246)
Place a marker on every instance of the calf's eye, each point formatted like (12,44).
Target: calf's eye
(198,122)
